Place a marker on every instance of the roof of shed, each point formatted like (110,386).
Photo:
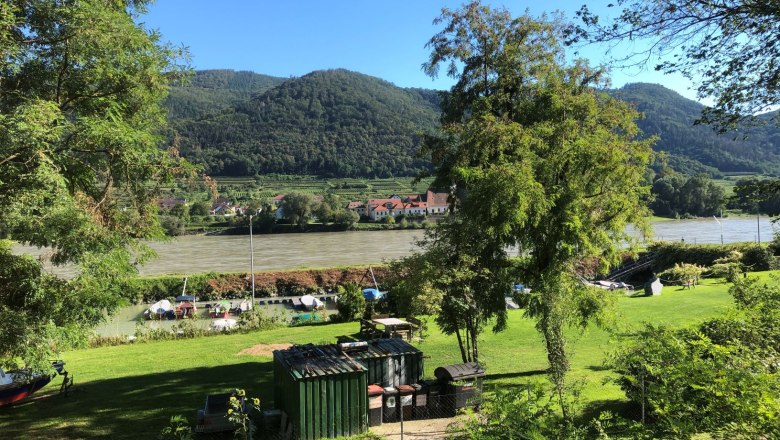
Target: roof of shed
(468,370)
(310,360)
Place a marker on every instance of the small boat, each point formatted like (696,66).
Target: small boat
(309,302)
(186,304)
(244,306)
(185,309)
(220,310)
(16,385)
(223,324)
(159,310)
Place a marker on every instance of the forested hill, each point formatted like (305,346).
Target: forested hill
(212,90)
(327,123)
(337,123)
(698,148)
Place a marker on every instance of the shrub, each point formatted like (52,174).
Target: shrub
(754,257)
(685,274)
(351,303)
(728,267)
(256,319)
(177,429)
(720,377)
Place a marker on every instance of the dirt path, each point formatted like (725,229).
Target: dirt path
(416,429)
(264,349)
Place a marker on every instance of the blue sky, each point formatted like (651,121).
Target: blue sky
(383,38)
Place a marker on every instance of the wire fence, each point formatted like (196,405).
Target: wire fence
(419,415)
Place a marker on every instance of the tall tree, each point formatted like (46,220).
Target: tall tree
(81,87)
(536,156)
(728,47)
(297,208)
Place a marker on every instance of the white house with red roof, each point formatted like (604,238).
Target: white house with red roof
(416,204)
(437,202)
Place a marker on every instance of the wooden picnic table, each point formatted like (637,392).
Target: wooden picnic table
(395,327)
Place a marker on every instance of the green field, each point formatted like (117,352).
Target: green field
(351,189)
(130,392)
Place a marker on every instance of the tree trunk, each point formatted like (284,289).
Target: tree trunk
(552,327)
(460,345)
(468,343)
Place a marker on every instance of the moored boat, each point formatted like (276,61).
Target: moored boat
(160,310)
(16,385)
(220,309)
(185,308)
(309,302)
(244,306)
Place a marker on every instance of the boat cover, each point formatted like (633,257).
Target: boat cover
(372,294)
(311,302)
(160,307)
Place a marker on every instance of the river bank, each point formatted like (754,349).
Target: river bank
(276,252)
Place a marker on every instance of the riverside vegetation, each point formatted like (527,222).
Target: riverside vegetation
(118,383)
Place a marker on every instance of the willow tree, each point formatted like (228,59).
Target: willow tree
(537,156)
(81,92)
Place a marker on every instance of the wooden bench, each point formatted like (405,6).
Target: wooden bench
(368,330)
(416,325)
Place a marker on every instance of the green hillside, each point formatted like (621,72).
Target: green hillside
(212,90)
(697,148)
(337,123)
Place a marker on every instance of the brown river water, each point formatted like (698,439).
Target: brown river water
(230,253)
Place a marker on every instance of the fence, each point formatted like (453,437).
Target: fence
(428,416)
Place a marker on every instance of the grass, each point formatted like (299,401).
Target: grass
(131,391)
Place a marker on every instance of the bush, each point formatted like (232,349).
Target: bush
(177,429)
(754,257)
(351,303)
(256,319)
(684,274)
(719,377)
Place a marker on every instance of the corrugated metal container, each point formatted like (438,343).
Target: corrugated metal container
(322,391)
(391,362)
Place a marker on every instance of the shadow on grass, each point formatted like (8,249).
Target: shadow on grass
(133,407)
(529,373)
(599,368)
(622,408)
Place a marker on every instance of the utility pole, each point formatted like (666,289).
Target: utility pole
(252,260)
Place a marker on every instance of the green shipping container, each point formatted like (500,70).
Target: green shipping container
(323,392)
(391,362)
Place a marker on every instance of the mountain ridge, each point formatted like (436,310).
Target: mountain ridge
(339,123)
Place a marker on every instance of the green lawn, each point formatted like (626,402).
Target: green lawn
(131,391)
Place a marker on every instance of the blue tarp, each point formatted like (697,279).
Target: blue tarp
(372,294)
(181,298)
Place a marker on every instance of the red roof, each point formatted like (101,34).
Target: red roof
(436,199)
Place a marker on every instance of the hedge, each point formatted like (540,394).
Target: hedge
(215,286)
(754,256)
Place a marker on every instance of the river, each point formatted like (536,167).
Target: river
(230,253)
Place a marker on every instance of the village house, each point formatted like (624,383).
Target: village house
(394,206)
(166,203)
(436,202)
(222,206)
